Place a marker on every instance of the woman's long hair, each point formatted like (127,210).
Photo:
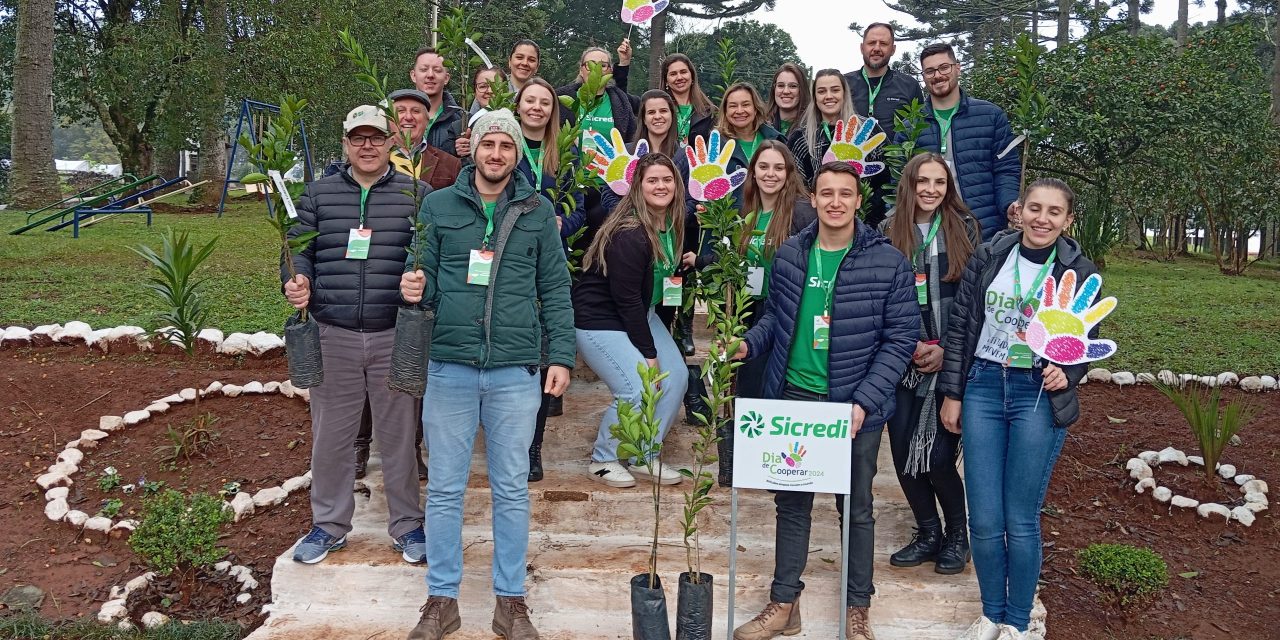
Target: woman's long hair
(813,117)
(955,231)
(783,210)
(771,106)
(701,103)
(551,134)
(722,122)
(670,143)
(633,212)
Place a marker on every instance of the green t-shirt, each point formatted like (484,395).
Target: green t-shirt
(749,146)
(598,121)
(806,366)
(784,126)
(684,119)
(944,117)
(663,269)
(755,250)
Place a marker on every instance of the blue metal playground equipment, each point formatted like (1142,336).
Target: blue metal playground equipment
(132,203)
(87,198)
(258,116)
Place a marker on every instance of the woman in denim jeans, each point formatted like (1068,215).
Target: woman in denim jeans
(628,270)
(1010,407)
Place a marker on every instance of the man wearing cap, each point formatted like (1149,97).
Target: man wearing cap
(495,273)
(436,167)
(444,118)
(347,279)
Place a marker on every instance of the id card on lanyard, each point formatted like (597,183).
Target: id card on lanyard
(360,238)
(922,279)
(480,264)
(1020,355)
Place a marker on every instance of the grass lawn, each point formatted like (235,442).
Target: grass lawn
(1181,315)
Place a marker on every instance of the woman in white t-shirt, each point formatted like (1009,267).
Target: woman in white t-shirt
(1010,407)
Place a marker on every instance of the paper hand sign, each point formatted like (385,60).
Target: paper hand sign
(613,163)
(709,178)
(796,454)
(1059,330)
(853,143)
(640,12)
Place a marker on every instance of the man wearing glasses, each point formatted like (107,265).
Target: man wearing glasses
(975,138)
(349,280)
(878,92)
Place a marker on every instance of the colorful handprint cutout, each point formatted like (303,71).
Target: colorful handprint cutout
(640,12)
(709,178)
(853,142)
(1059,329)
(613,163)
(795,455)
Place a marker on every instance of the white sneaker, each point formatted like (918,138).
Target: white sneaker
(1007,632)
(612,473)
(981,629)
(665,474)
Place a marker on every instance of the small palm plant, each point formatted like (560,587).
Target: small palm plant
(1211,423)
(637,436)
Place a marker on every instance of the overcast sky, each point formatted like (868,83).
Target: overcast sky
(823,38)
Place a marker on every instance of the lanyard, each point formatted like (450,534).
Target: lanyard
(928,239)
(667,237)
(684,119)
(489,209)
(944,124)
(872,93)
(1035,286)
(364,197)
(826,128)
(535,167)
(830,287)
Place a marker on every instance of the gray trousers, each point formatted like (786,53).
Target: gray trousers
(357,363)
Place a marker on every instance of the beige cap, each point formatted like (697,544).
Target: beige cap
(366,115)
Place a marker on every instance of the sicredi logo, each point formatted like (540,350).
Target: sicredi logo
(751,425)
(787,426)
(784,444)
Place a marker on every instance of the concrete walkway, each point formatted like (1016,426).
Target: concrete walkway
(586,542)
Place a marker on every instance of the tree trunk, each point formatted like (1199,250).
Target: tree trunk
(657,49)
(166,163)
(1135,16)
(1222,12)
(35,178)
(1275,65)
(212,164)
(1064,22)
(1183,17)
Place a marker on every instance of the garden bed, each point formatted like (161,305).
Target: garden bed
(1232,588)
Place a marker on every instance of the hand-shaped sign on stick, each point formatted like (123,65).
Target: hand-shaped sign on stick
(853,143)
(1059,329)
(709,178)
(640,12)
(613,163)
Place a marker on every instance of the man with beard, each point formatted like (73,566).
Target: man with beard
(975,138)
(492,241)
(878,92)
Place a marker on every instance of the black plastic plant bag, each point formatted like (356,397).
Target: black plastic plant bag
(302,348)
(412,348)
(648,610)
(694,606)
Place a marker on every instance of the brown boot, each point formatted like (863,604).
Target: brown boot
(859,620)
(511,619)
(777,618)
(439,618)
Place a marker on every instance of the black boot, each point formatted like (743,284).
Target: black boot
(955,550)
(724,451)
(925,544)
(417,455)
(362,459)
(694,402)
(684,322)
(556,406)
(535,462)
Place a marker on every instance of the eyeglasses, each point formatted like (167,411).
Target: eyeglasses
(376,140)
(942,69)
(786,85)
(603,65)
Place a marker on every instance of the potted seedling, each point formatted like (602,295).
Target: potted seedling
(637,436)
(274,155)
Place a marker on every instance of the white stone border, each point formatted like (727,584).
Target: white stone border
(1225,379)
(1254,490)
(56,480)
(114,610)
(258,344)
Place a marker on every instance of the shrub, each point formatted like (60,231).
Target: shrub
(179,533)
(1212,424)
(1129,572)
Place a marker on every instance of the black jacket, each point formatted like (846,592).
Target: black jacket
(968,316)
(621,300)
(360,295)
(448,127)
(897,90)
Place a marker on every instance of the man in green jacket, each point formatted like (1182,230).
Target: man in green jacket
(495,273)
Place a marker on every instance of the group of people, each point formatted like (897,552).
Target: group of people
(912,314)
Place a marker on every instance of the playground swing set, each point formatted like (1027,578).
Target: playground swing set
(127,194)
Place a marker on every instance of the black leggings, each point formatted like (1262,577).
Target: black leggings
(942,483)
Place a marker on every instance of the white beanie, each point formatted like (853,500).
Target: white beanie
(500,121)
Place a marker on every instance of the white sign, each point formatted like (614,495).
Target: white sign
(284,192)
(792,446)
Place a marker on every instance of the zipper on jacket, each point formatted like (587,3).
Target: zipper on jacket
(515,210)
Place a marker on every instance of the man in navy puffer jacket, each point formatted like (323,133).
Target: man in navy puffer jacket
(975,138)
(840,273)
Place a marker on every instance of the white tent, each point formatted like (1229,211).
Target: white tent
(68,166)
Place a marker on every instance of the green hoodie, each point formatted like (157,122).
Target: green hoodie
(502,324)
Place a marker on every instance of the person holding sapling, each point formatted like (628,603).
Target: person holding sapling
(347,280)
(840,325)
(445,119)
(933,228)
(628,272)
(495,273)
(788,98)
(1010,407)
(434,166)
(695,115)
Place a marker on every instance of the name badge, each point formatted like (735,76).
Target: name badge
(672,291)
(922,289)
(358,244)
(1020,357)
(755,281)
(822,333)
(479,266)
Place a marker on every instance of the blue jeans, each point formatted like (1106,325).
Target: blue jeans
(1010,447)
(459,399)
(612,356)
